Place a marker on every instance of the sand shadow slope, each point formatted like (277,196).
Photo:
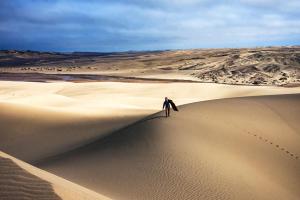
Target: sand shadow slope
(16,183)
(221,149)
(32,133)
(19,180)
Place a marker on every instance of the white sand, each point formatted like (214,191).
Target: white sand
(56,117)
(92,97)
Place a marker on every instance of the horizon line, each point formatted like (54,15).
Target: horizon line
(158,50)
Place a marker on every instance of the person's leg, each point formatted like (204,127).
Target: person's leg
(168,112)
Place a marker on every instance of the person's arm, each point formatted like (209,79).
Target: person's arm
(164,104)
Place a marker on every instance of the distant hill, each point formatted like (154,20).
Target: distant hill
(256,66)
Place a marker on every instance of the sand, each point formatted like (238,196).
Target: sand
(104,137)
(52,118)
(242,66)
(94,119)
(242,148)
(19,180)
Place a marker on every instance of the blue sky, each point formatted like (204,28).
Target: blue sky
(122,25)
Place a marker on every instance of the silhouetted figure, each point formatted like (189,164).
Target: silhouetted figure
(166,106)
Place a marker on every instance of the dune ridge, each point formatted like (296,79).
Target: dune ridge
(16,183)
(19,180)
(240,148)
(104,137)
(53,118)
(49,132)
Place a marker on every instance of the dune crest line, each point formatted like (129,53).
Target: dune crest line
(200,152)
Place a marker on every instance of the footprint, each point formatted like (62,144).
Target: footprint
(277,146)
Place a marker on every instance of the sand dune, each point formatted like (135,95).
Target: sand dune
(19,180)
(241,148)
(32,133)
(244,148)
(39,120)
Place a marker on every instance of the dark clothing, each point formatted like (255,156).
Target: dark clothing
(166,104)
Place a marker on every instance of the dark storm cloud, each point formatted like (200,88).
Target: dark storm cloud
(81,25)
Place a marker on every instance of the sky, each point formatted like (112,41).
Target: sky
(124,25)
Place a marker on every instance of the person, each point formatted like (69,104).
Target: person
(166,106)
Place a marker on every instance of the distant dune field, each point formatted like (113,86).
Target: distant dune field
(242,66)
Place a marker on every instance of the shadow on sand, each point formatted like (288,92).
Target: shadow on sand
(152,118)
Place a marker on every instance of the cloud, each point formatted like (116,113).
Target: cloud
(78,25)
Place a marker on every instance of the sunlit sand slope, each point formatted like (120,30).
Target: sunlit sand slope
(241,148)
